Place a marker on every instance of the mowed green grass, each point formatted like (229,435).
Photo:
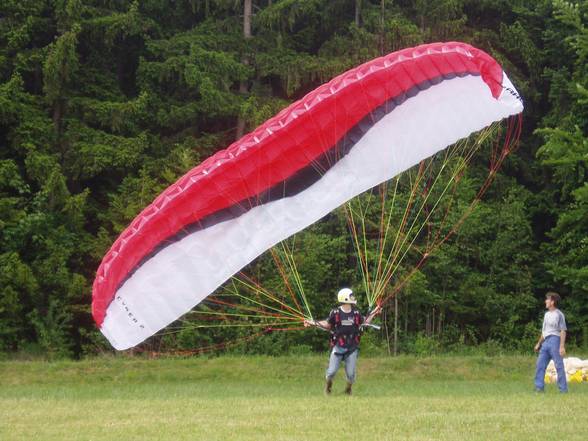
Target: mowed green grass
(265,398)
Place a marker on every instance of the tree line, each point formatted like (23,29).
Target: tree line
(104,103)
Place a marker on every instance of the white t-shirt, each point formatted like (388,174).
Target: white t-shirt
(553,323)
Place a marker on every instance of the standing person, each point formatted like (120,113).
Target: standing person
(345,323)
(551,344)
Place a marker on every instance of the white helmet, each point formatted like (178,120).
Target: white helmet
(345,295)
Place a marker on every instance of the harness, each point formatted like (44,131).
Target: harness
(346,336)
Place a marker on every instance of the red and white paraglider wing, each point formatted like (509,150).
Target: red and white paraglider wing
(361,129)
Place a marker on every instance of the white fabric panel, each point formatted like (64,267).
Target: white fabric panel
(183,274)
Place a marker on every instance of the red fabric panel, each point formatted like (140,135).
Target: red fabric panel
(278,148)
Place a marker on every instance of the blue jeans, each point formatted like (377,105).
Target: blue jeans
(339,354)
(550,351)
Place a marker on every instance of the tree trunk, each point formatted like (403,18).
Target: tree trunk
(406,317)
(440,323)
(58,111)
(243,88)
(395,325)
(247,18)
(385,320)
(358,13)
(382,26)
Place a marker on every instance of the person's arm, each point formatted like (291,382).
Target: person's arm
(562,334)
(324,324)
(372,314)
(541,339)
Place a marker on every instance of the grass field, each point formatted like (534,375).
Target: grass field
(264,398)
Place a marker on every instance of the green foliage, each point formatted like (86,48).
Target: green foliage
(61,65)
(52,330)
(104,104)
(423,346)
(565,154)
(18,285)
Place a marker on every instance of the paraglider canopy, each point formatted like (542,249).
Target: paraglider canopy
(357,131)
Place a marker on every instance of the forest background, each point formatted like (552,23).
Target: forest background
(103,104)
